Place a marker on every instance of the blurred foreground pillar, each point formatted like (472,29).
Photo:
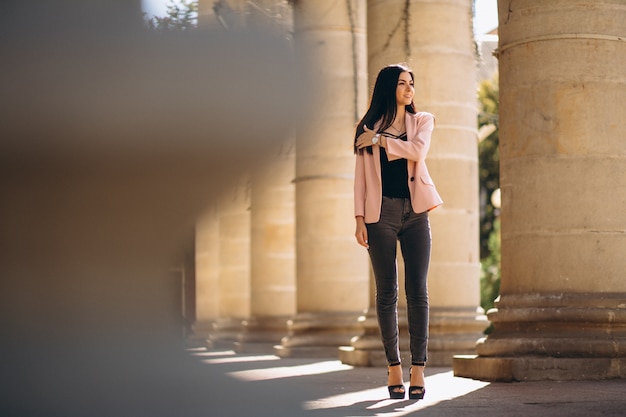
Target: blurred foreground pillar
(562,308)
(332,277)
(112,141)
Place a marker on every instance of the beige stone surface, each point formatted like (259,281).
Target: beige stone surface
(332,272)
(436,43)
(272,223)
(434,39)
(234,251)
(563,152)
(561,312)
(207,270)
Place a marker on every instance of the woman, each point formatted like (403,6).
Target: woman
(393,194)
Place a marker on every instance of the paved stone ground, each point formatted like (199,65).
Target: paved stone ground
(269,386)
(222,383)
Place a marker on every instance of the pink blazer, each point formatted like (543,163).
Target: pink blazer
(368,188)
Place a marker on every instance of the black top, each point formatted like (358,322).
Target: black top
(395,175)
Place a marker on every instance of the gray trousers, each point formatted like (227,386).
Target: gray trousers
(399,222)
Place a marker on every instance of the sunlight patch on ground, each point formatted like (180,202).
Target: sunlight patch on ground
(201,352)
(241,359)
(290,371)
(439,387)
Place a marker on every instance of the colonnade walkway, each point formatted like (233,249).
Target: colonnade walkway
(261,384)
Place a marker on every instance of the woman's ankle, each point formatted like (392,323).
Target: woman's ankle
(417,374)
(394,374)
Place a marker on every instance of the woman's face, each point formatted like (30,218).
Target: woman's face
(405,89)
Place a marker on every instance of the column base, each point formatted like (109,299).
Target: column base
(224,333)
(533,368)
(454,331)
(260,334)
(350,355)
(366,349)
(564,336)
(200,332)
(314,335)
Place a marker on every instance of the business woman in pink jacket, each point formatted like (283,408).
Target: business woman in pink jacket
(393,193)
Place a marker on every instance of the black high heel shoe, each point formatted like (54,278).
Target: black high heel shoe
(415,391)
(396,392)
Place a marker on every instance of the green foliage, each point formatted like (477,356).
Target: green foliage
(488,159)
(181,15)
(488,94)
(489,178)
(490,270)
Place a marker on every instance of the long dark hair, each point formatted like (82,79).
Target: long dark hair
(383,105)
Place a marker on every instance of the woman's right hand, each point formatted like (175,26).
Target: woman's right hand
(366,138)
(361,232)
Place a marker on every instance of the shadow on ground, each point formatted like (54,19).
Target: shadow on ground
(325,388)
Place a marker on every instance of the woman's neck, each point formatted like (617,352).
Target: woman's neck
(398,122)
(400,114)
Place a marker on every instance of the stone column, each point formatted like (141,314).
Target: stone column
(435,39)
(234,261)
(272,261)
(562,309)
(265,233)
(332,275)
(207,272)
(229,15)
(272,216)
